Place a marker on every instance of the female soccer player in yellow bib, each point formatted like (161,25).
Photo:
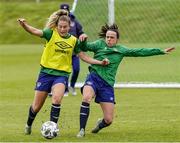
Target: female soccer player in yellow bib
(56,63)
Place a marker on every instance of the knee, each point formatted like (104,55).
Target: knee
(56,99)
(108,120)
(87,99)
(88,93)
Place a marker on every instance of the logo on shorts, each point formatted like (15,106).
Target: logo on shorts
(38,84)
(89,83)
(111,98)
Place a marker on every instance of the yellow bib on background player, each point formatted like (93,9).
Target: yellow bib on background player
(58,51)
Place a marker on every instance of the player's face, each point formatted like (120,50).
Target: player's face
(63,28)
(111,38)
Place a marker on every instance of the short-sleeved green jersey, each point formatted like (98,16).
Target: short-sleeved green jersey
(115,55)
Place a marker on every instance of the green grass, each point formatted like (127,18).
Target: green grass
(142,115)
(150,21)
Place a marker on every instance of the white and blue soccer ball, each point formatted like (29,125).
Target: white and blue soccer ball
(49,130)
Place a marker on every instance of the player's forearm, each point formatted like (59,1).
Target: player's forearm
(32,30)
(29,28)
(88,59)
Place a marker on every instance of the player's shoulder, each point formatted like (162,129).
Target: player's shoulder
(47,30)
(121,46)
(47,33)
(72,36)
(98,42)
(101,40)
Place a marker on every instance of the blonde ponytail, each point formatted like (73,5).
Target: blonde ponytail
(54,18)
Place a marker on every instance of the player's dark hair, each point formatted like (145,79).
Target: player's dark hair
(106,27)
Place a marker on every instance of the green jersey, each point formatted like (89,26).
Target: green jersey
(115,55)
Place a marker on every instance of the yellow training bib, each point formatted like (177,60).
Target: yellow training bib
(58,51)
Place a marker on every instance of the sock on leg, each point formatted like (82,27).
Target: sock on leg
(31,116)
(55,111)
(103,124)
(84,114)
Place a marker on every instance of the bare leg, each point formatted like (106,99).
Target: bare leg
(58,93)
(39,99)
(108,111)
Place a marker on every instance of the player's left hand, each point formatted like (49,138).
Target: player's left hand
(83,37)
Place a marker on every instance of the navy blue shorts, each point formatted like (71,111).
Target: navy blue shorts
(46,81)
(103,91)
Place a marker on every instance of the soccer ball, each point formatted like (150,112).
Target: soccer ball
(49,130)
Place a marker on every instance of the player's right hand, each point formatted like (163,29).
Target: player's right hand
(83,37)
(105,62)
(21,21)
(168,50)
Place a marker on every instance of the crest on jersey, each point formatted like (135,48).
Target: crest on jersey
(63,45)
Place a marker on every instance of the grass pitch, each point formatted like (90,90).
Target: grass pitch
(142,115)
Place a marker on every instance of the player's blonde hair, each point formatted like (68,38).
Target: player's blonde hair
(56,17)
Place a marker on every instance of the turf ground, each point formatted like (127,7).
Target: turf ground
(143,115)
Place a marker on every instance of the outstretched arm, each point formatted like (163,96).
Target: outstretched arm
(30,29)
(143,52)
(90,60)
(168,50)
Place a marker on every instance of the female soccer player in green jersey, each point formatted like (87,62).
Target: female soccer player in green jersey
(56,63)
(100,81)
